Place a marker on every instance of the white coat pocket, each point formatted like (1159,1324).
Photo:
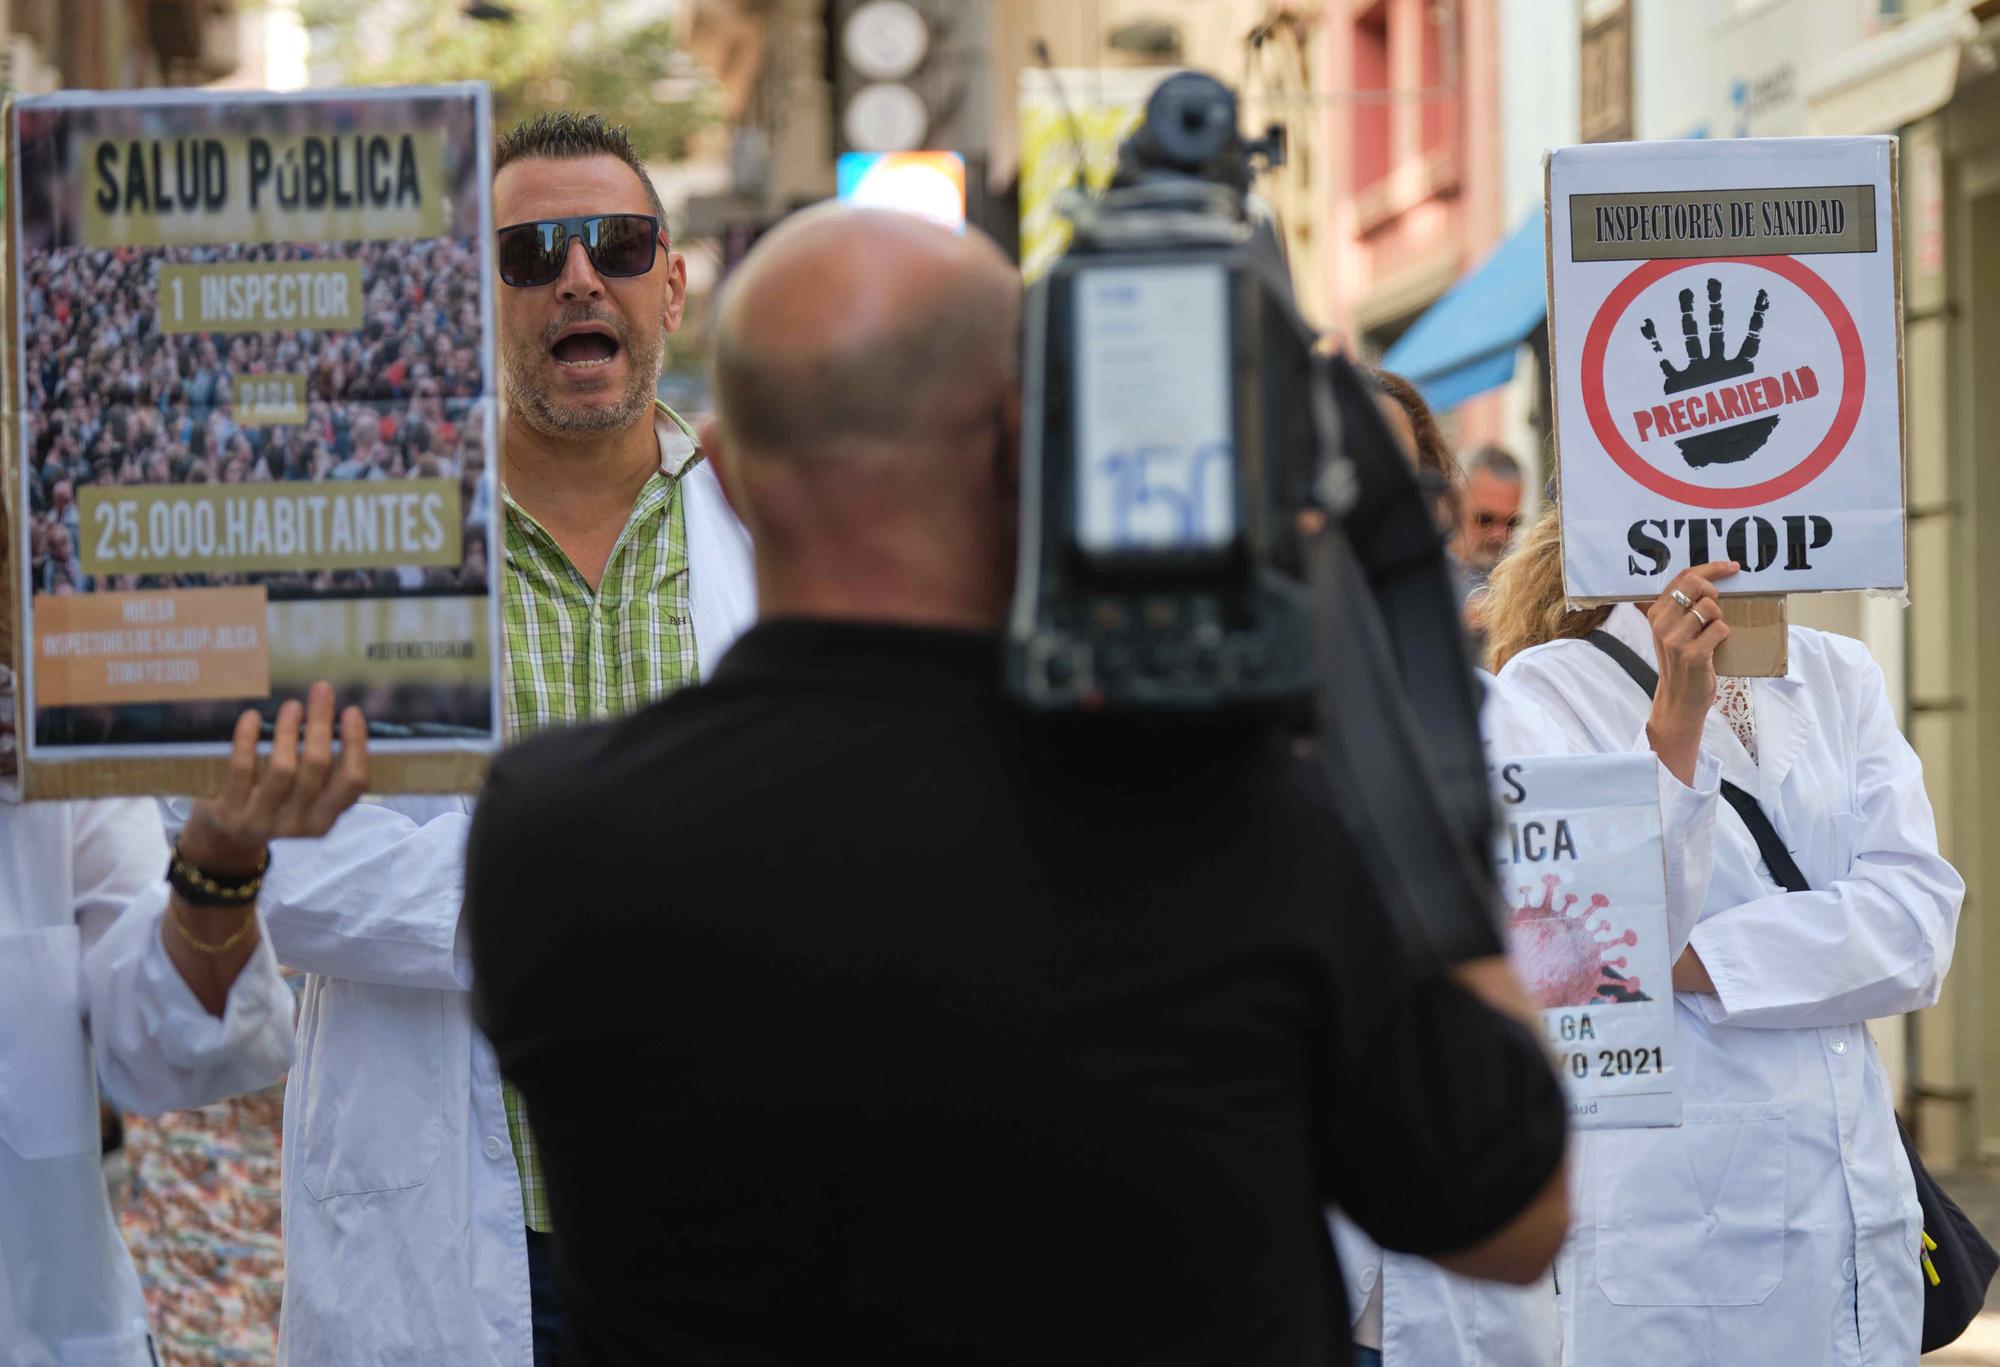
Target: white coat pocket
(48,1093)
(370,1109)
(1694,1215)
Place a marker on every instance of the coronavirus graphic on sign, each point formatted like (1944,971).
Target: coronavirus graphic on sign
(1566,951)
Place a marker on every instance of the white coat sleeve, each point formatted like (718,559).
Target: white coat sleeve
(374,900)
(156,1047)
(1876,942)
(1687,833)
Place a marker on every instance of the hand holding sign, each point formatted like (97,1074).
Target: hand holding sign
(300,793)
(1688,626)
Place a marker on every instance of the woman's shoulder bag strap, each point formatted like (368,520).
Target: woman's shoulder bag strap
(1784,869)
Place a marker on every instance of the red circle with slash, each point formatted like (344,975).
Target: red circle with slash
(1853,383)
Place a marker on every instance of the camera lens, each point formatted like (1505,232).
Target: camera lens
(1193,119)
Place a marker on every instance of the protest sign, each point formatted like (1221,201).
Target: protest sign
(1725,340)
(251,429)
(1582,868)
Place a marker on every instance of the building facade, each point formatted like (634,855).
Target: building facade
(1415,195)
(117,44)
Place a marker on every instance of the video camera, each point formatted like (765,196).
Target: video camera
(1217,518)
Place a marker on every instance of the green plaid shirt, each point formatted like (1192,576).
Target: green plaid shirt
(574,655)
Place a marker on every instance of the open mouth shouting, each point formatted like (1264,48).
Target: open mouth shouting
(585,346)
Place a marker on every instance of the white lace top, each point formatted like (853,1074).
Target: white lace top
(1732,701)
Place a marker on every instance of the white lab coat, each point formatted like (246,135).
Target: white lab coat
(1780,1222)
(1431,1318)
(402,1202)
(85,980)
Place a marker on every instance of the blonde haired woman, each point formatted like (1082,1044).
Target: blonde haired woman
(1779,1223)
(1405,1311)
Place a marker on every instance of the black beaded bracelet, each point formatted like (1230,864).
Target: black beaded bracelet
(202,889)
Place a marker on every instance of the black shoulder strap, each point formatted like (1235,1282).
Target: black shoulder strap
(1784,869)
(1627,659)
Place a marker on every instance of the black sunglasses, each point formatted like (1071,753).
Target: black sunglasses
(618,245)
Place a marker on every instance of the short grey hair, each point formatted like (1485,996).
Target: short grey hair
(1494,460)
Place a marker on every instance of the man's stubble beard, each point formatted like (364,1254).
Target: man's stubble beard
(526,395)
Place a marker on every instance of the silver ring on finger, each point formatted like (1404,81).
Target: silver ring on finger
(1681,598)
(1698,617)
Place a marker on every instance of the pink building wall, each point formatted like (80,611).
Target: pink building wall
(1414,197)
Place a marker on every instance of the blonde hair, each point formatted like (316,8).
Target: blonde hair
(1524,603)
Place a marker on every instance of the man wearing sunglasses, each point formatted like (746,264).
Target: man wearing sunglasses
(1492,511)
(415,1225)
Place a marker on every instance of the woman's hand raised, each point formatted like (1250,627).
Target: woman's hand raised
(1688,625)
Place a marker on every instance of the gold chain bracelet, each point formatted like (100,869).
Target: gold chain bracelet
(221,947)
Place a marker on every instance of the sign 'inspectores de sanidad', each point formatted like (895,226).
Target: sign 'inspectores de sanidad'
(1725,332)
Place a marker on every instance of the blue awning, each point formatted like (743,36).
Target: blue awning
(1464,344)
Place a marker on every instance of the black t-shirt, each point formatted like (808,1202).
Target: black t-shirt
(864,1018)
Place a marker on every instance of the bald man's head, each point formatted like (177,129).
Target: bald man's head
(852,329)
(867,416)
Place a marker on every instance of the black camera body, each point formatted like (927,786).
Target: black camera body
(1170,441)
(1215,517)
